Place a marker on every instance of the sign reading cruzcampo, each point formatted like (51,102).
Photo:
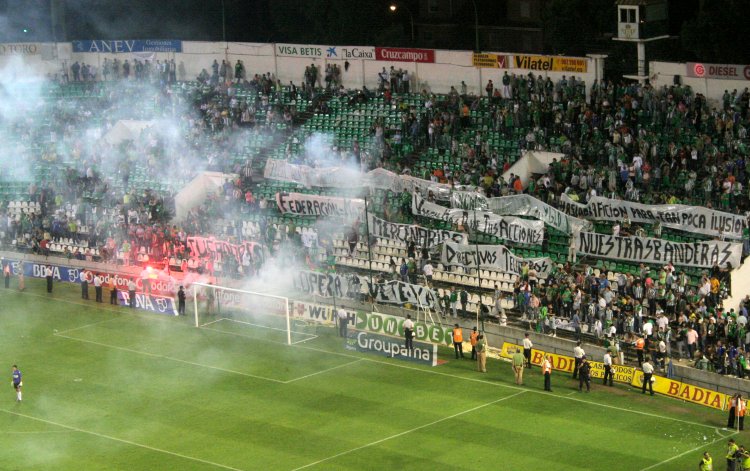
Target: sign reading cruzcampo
(393,347)
(123,46)
(551,63)
(404,54)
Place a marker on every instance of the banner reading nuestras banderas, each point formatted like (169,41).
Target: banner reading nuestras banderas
(658,251)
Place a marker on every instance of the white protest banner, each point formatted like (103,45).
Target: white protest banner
(658,251)
(497,257)
(522,231)
(696,219)
(327,177)
(330,285)
(325,206)
(469,200)
(209,247)
(525,205)
(400,293)
(421,236)
(387,180)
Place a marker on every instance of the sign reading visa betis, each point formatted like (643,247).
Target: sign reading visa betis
(551,63)
(325,52)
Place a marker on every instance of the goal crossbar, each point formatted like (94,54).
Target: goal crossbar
(245,292)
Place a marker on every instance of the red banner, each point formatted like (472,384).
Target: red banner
(400,54)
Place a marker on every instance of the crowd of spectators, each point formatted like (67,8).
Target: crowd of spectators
(621,140)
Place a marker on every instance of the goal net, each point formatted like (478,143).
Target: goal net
(247,313)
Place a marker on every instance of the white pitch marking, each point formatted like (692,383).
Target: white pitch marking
(128,442)
(689,451)
(324,371)
(377,442)
(155,355)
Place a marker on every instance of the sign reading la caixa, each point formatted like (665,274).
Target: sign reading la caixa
(126,46)
(362,341)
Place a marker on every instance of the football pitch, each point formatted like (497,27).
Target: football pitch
(109,388)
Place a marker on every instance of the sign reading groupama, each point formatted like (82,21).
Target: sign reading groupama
(362,341)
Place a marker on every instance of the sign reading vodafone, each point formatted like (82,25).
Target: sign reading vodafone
(400,54)
(718,71)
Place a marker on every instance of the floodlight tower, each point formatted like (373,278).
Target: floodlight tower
(641,21)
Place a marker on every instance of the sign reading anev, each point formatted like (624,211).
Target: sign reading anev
(658,251)
(124,46)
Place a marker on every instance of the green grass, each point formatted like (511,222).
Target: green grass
(108,388)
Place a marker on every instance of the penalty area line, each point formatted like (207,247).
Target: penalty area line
(400,434)
(165,357)
(121,440)
(324,371)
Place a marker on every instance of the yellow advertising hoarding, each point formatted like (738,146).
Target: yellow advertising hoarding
(489,61)
(551,63)
(632,376)
(685,392)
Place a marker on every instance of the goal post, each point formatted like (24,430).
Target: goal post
(238,311)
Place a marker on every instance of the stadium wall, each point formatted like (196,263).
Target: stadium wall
(434,70)
(733,77)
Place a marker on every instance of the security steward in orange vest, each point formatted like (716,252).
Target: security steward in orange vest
(547,372)
(458,341)
(473,339)
(737,409)
(640,344)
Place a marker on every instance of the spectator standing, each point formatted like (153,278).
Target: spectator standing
(409,332)
(648,373)
(547,372)
(578,354)
(98,288)
(458,341)
(527,345)
(473,337)
(608,374)
(48,274)
(481,348)
(518,362)
(584,375)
